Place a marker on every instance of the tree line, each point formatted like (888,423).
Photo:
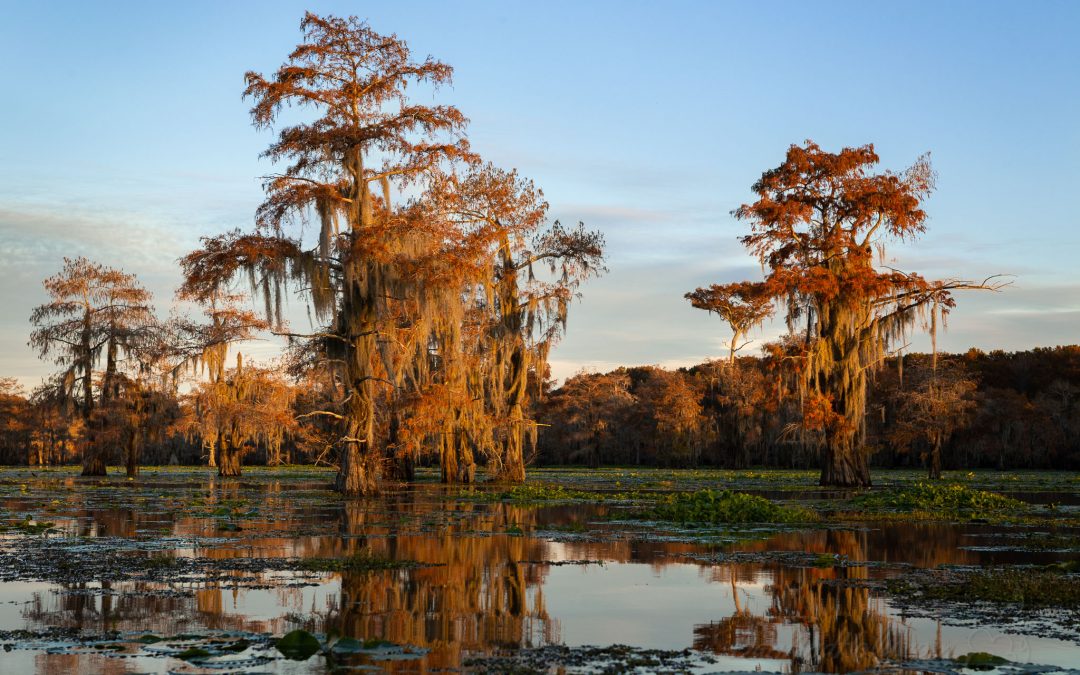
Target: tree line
(1000,410)
(436,287)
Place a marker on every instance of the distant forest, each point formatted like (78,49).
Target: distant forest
(1001,410)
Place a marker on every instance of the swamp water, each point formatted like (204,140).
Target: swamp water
(178,572)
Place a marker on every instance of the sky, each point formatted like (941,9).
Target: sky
(124,138)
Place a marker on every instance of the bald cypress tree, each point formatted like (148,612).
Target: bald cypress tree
(95,313)
(524,273)
(423,322)
(364,137)
(818,221)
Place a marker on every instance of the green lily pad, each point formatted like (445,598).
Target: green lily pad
(298,645)
(193,654)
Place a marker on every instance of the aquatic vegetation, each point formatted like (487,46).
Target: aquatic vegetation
(1026,586)
(298,645)
(348,645)
(826,560)
(28,526)
(576,527)
(194,654)
(612,659)
(543,492)
(725,506)
(941,500)
(980,660)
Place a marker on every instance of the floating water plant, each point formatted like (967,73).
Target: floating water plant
(945,501)
(725,506)
(980,661)
(1026,586)
(298,645)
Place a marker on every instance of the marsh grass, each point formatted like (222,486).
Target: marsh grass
(529,493)
(543,492)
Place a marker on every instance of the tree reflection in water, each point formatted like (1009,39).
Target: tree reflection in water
(476,597)
(836,625)
(480,588)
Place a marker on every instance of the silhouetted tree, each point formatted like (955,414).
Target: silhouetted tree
(15,422)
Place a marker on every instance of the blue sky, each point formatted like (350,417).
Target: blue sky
(123,137)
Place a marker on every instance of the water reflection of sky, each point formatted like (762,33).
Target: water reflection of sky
(488,590)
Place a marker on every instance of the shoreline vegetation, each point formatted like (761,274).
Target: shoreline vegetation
(1014,423)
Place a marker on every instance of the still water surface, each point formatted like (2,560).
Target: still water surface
(496,577)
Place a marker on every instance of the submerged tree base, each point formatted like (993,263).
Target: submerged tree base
(94,467)
(359,475)
(845,469)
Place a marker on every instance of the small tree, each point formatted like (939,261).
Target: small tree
(742,305)
(94,312)
(677,415)
(247,407)
(55,431)
(589,408)
(931,409)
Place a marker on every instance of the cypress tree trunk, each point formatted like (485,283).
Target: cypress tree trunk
(935,458)
(838,364)
(359,475)
(513,461)
(400,468)
(133,454)
(517,367)
(844,467)
(467,464)
(229,459)
(359,471)
(93,462)
(93,458)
